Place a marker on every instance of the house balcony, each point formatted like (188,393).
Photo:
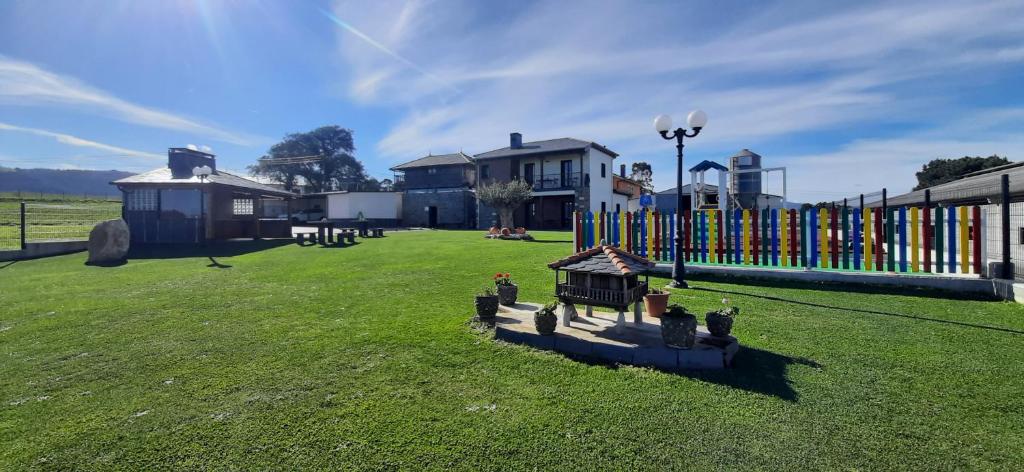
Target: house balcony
(600,296)
(558,181)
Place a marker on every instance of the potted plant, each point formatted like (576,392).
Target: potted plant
(678,327)
(720,321)
(486,304)
(655,302)
(507,291)
(546,320)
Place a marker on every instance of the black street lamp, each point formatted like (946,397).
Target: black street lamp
(663,123)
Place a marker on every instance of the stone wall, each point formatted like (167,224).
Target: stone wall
(455,208)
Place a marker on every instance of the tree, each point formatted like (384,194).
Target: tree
(333,167)
(641,172)
(940,171)
(505,197)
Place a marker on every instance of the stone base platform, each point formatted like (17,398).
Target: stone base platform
(597,337)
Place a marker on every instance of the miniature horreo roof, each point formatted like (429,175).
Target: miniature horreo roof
(604,260)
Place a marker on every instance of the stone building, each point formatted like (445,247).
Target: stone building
(438,191)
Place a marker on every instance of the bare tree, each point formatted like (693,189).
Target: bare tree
(505,197)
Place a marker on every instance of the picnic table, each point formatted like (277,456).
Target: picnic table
(321,228)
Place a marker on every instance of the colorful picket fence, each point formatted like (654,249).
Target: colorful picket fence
(903,239)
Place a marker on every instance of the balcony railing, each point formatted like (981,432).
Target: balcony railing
(558,181)
(601,296)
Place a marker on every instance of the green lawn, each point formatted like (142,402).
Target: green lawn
(363,357)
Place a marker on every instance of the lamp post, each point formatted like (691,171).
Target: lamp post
(662,124)
(202,172)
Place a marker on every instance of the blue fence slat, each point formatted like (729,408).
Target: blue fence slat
(812,237)
(775,237)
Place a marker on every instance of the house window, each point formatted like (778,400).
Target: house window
(618,207)
(485,172)
(432,170)
(143,199)
(241,206)
(180,203)
(602,207)
(603,171)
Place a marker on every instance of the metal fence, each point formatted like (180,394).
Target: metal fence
(22,223)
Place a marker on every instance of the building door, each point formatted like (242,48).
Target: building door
(566,174)
(432,217)
(566,222)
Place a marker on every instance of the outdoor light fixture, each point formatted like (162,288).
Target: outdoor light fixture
(695,121)
(202,172)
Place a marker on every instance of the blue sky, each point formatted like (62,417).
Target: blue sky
(850,98)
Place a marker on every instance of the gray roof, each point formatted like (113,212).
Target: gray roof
(686,190)
(604,260)
(746,152)
(458,158)
(977,189)
(162,176)
(550,145)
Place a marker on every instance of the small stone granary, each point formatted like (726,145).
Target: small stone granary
(604,276)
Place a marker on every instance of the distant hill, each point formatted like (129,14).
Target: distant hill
(55,181)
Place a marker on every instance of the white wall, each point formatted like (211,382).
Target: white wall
(600,188)
(382,205)
(621,200)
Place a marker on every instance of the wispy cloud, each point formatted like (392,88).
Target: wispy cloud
(114,151)
(23,83)
(551,69)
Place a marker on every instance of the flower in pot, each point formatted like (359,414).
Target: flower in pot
(486,304)
(546,320)
(655,302)
(678,327)
(507,291)
(720,321)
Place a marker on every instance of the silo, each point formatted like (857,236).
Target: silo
(745,187)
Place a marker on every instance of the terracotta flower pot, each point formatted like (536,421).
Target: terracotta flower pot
(486,306)
(679,331)
(546,321)
(507,294)
(505,231)
(655,304)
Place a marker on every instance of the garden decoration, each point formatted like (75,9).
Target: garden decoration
(507,291)
(678,327)
(602,276)
(719,322)
(655,302)
(486,304)
(546,320)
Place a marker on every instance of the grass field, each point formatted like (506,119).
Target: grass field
(50,217)
(363,358)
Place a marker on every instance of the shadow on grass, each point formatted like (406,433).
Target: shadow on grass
(550,241)
(838,287)
(861,310)
(211,250)
(759,371)
(8,264)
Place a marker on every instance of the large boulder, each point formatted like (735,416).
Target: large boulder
(108,242)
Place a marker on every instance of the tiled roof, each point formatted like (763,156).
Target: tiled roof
(163,176)
(604,260)
(458,158)
(550,145)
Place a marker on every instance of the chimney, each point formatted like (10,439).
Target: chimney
(181,161)
(515,141)
(622,170)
